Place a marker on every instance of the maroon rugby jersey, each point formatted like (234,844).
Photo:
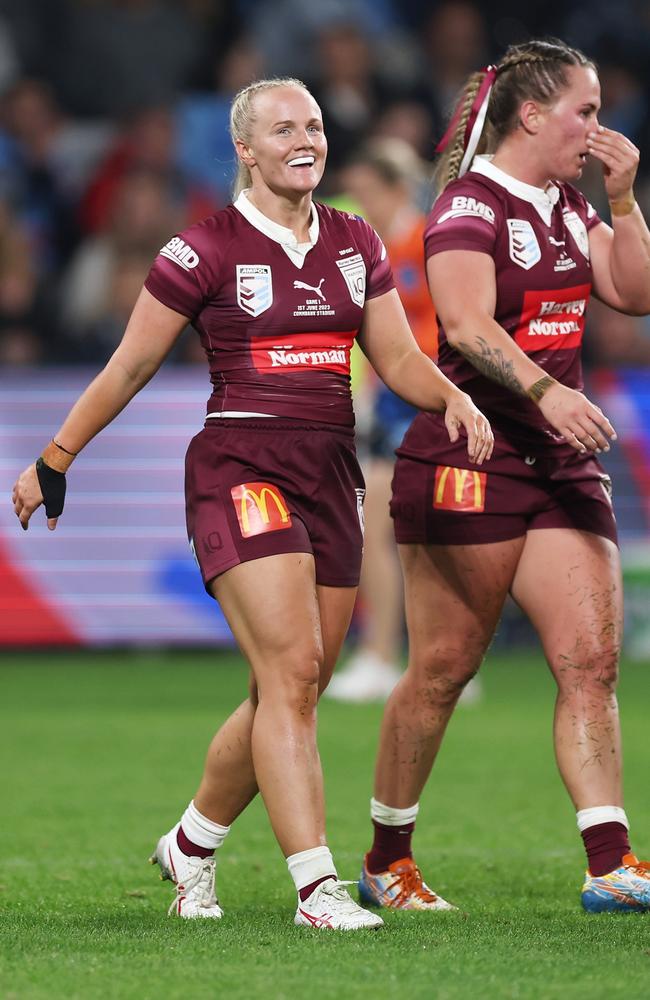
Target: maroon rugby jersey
(540,245)
(277,335)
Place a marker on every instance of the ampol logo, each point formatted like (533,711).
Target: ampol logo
(461,490)
(254,288)
(260,507)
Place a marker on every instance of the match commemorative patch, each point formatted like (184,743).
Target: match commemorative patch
(353,270)
(260,507)
(462,490)
(254,288)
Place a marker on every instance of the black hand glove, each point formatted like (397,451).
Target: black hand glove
(52,485)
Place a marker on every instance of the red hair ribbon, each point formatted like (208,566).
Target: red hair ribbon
(475,118)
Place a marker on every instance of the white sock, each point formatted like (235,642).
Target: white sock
(201,830)
(390,816)
(308,866)
(601,814)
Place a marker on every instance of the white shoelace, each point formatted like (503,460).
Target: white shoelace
(336,889)
(200,883)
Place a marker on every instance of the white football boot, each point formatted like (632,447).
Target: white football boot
(330,907)
(193,878)
(365,677)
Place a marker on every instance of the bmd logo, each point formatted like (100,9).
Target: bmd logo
(459,489)
(181,253)
(260,507)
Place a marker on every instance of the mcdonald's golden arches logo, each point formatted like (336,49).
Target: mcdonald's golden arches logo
(260,507)
(459,489)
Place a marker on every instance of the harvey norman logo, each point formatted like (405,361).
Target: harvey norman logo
(552,320)
(298,351)
(569,318)
(181,253)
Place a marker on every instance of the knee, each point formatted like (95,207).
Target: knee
(591,667)
(296,680)
(441,671)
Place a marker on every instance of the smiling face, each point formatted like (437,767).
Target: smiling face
(565,124)
(287,147)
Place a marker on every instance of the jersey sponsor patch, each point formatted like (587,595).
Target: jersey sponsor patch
(462,206)
(578,230)
(461,490)
(353,270)
(300,351)
(524,248)
(552,320)
(254,288)
(181,253)
(260,507)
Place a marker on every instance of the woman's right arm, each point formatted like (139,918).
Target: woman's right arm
(463,287)
(150,334)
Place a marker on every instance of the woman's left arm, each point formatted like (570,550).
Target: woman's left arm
(388,343)
(620,254)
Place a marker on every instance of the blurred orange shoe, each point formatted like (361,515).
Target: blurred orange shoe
(400,888)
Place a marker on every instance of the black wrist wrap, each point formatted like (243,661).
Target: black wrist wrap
(52,485)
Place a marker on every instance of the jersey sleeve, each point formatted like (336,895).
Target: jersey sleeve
(380,274)
(182,276)
(464,217)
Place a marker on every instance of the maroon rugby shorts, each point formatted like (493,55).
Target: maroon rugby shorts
(259,488)
(447,500)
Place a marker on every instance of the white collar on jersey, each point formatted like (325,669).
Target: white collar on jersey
(543,199)
(296,252)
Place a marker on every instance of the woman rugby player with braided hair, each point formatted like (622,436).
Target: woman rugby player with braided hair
(513,253)
(278,288)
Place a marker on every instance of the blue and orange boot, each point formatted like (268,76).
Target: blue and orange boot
(626,889)
(401,887)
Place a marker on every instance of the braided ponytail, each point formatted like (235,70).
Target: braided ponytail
(448,166)
(535,70)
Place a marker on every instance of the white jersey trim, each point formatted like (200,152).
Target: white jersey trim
(295,251)
(239,413)
(542,199)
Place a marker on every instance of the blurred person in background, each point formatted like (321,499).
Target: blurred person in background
(46,159)
(148,142)
(141,214)
(513,250)
(116,57)
(385,179)
(410,121)
(278,288)
(287,31)
(454,40)
(204,150)
(614,339)
(27,330)
(348,87)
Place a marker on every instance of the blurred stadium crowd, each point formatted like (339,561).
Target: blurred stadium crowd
(113,130)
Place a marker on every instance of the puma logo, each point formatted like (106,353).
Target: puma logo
(311,288)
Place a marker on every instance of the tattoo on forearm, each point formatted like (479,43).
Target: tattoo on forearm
(491,362)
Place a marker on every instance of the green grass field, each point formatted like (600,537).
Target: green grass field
(100,754)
